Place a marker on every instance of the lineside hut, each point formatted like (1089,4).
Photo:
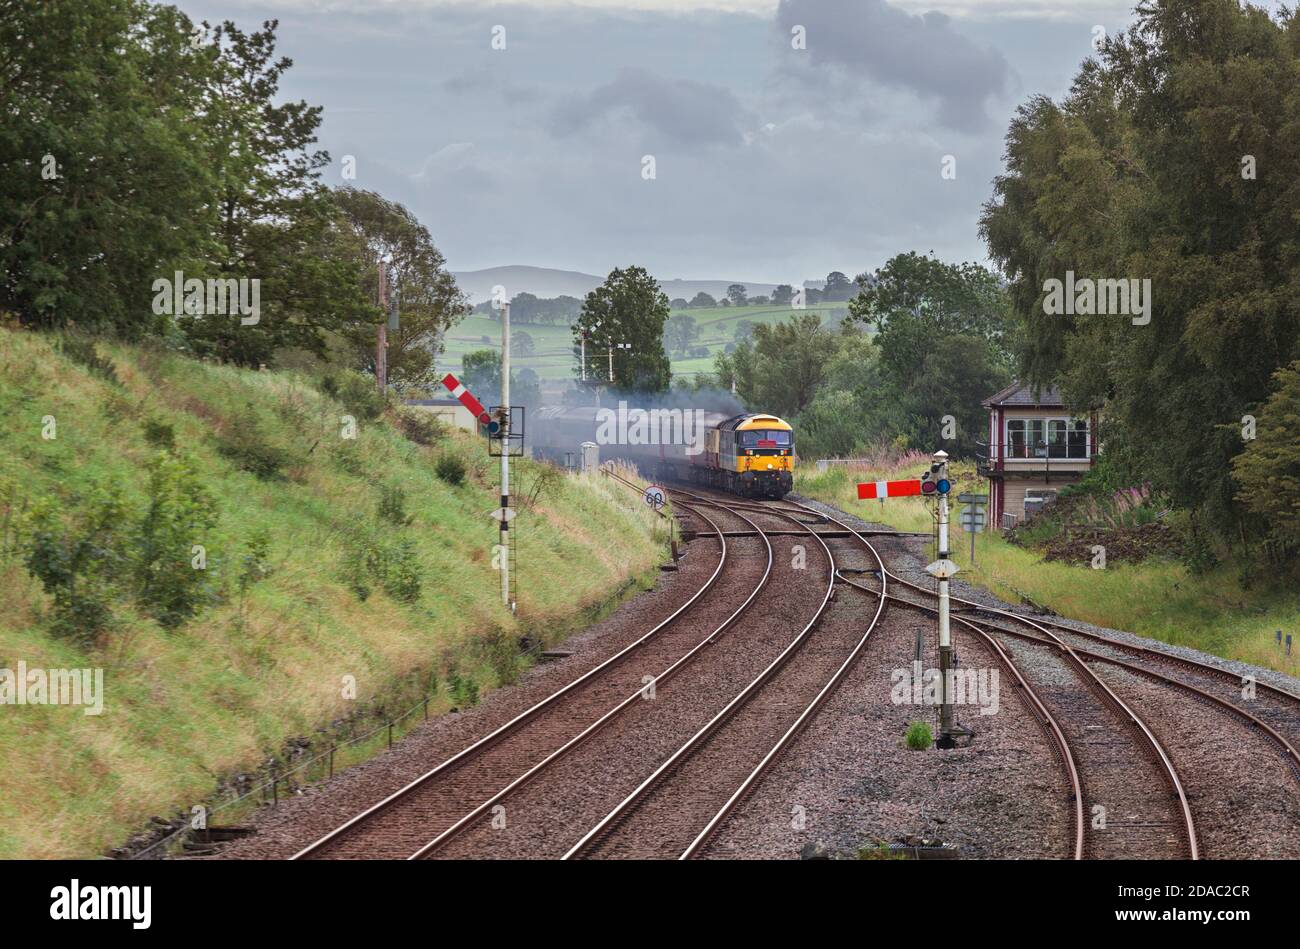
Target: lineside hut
(447,411)
(1035,447)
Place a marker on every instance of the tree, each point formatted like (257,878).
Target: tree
(838,288)
(1267,472)
(782,368)
(480,373)
(736,293)
(1157,166)
(679,332)
(915,300)
(679,303)
(702,300)
(106,183)
(276,223)
(521,343)
(759,301)
(628,310)
(429,303)
(744,330)
(783,294)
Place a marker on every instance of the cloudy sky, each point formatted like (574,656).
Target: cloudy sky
(772,164)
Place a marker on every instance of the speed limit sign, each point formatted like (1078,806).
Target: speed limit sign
(655,496)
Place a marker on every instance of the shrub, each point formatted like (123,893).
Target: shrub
(80,563)
(420,427)
(371,562)
(249,449)
(358,393)
(255,564)
(159,434)
(450,468)
(82,351)
(919,736)
(170,586)
(462,691)
(392,505)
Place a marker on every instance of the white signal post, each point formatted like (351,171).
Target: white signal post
(945,629)
(505,457)
(933,482)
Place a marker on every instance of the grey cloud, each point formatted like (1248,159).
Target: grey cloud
(685,111)
(921,53)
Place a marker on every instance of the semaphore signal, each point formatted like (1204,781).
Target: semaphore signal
(466,398)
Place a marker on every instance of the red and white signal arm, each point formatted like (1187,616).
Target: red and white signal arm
(655,496)
(466,398)
(907,488)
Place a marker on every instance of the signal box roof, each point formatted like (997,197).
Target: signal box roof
(1021,393)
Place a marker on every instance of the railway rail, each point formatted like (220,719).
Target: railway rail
(713,771)
(355,837)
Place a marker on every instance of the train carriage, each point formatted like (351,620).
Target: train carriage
(750,455)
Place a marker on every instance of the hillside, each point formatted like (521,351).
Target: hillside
(323,557)
(552,356)
(549,282)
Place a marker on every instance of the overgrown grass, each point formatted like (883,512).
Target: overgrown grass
(1157,598)
(264,659)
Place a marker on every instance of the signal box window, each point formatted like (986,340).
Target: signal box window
(1047,438)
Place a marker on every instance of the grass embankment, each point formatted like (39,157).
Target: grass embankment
(1157,598)
(264,658)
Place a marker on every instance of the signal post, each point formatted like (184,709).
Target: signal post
(936,484)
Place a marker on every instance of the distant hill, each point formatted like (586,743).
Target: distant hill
(547,282)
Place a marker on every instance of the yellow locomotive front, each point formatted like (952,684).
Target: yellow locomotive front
(756,452)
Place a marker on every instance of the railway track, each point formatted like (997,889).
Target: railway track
(407,821)
(717,765)
(1106,752)
(1113,739)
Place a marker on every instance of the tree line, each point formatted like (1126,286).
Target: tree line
(1175,159)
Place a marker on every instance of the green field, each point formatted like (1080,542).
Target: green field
(261,662)
(553,359)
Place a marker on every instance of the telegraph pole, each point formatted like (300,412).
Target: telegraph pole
(381,341)
(505,455)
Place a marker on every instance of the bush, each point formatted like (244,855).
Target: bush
(80,564)
(159,434)
(394,568)
(255,564)
(82,351)
(919,737)
(462,691)
(170,586)
(392,505)
(450,469)
(249,449)
(420,427)
(358,393)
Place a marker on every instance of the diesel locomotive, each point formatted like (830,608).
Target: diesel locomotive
(750,455)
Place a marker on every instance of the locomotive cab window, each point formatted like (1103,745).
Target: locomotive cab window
(765,438)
